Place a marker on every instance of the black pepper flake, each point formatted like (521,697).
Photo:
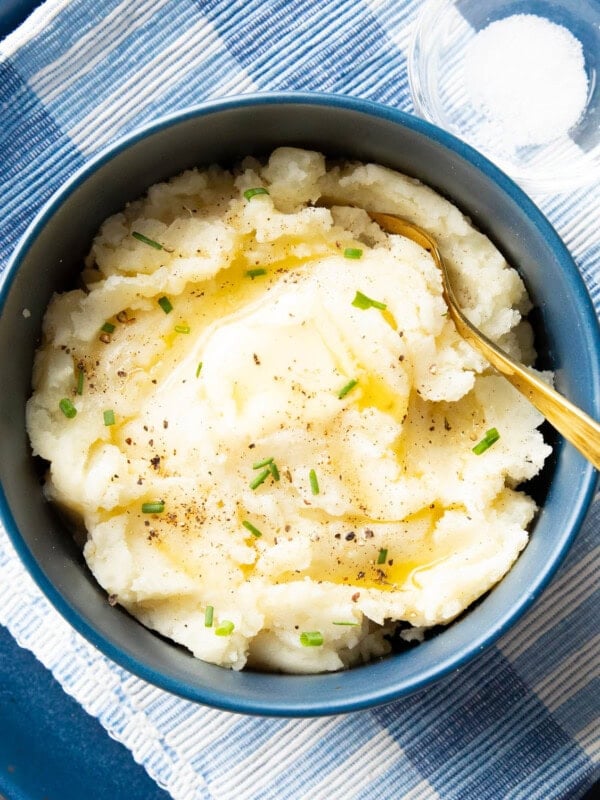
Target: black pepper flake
(338,536)
(349,536)
(113,599)
(121,373)
(369,533)
(155,461)
(256,359)
(355,597)
(128,440)
(165,423)
(105,338)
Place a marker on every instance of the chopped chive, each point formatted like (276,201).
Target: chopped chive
(108,327)
(208,616)
(225,628)
(182,329)
(165,304)
(109,417)
(67,408)
(153,508)
(344,623)
(381,558)
(254,273)
(141,238)
(347,388)
(311,638)
(488,440)
(253,530)
(80,377)
(314,483)
(269,467)
(274,471)
(264,463)
(260,478)
(199,368)
(250,193)
(353,252)
(362,301)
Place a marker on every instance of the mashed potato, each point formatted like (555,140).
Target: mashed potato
(263,416)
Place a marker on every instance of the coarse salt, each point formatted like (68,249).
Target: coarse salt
(527,75)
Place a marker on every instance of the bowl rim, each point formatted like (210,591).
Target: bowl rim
(371,694)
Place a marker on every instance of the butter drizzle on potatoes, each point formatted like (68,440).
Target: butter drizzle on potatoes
(264,419)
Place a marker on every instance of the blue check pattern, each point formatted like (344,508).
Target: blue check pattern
(520,722)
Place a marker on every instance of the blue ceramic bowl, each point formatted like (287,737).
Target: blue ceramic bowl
(50,255)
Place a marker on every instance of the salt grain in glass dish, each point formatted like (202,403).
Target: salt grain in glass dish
(528,76)
(518,81)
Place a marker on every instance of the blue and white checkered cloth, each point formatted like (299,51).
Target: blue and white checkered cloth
(519,722)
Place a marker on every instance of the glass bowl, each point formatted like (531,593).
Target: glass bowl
(467,82)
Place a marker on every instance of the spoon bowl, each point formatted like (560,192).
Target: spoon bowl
(574,424)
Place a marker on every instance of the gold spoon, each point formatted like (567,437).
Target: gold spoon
(574,424)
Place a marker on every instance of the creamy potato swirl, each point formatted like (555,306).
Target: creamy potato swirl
(262,415)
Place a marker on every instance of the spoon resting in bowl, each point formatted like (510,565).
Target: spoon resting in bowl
(574,424)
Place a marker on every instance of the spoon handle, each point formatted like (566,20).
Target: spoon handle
(574,424)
